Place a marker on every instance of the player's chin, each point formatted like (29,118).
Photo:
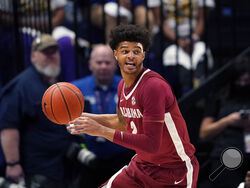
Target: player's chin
(130,71)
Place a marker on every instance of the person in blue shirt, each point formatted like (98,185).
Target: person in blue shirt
(33,146)
(100,89)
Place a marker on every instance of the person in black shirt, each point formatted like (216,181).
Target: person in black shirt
(227,123)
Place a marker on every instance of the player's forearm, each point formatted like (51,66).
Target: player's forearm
(10,144)
(149,141)
(107,120)
(108,133)
(88,124)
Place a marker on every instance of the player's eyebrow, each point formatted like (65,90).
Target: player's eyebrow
(125,46)
(138,47)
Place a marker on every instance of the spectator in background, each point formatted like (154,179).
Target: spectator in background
(226,123)
(97,16)
(246,183)
(32,20)
(100,90)
(155,6)
(92,21)
(247,180)
(33,146)
(36,14)
(33,15)
(129,11)
(8,68)
(183,26)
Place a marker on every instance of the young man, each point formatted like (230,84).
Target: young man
(148,121)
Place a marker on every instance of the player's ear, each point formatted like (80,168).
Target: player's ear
(144,54)
(115,54)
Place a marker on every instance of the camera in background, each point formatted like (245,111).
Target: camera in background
(83,155)
(244,113)
(5,183)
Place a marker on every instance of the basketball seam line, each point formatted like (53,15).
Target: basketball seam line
(76,96)
(51,97)
(64,101)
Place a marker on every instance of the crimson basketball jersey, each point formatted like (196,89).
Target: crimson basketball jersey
(151,98)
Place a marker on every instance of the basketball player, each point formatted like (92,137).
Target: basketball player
(148,120)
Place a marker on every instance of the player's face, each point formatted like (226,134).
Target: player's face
(47,62)
(130,56)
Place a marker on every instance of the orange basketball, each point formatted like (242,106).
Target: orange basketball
(62,102)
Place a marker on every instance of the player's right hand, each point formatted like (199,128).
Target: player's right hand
(85,125)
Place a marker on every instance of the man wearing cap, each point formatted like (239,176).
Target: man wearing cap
(32,145)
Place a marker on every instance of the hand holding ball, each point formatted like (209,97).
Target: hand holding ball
(62,102)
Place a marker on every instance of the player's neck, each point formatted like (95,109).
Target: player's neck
(129,79)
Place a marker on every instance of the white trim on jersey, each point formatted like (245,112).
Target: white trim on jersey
(179,147)
(131,92)
(109,184)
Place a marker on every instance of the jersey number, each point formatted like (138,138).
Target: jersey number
(132,125)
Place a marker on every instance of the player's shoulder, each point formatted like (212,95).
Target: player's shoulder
(154,82)
(148,73)
(154,79)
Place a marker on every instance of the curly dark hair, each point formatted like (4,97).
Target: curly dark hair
(131,33)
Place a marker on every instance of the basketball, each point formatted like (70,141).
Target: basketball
(62,102)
